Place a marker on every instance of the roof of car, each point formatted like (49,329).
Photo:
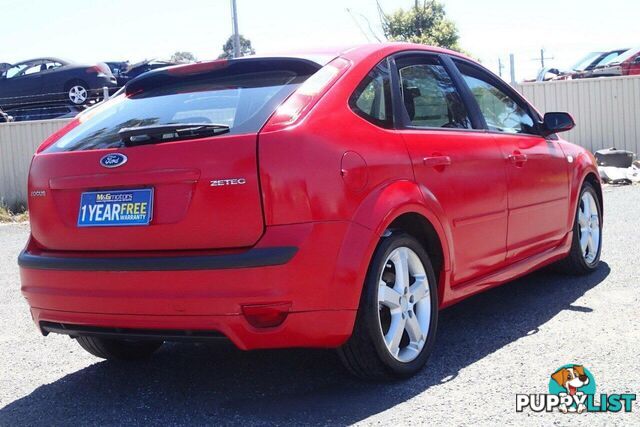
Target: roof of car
(319,56)
(323,55)
(46,58)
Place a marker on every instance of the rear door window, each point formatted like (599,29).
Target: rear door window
(430,97)
(241,95)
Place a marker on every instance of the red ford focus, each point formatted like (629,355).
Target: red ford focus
(326,200)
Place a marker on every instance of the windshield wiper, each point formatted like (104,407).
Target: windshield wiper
(156,134)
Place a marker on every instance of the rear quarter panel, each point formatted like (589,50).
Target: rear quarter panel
(336,166)
(322,168)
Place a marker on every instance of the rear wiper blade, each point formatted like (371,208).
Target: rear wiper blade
(156,134)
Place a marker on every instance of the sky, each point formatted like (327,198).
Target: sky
(90,31)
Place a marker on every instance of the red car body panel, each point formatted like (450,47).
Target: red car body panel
(631,67)
(329,185)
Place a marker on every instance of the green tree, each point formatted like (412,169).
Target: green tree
(425,23)
(245,48)
(183,57)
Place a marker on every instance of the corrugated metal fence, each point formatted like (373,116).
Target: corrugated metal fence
(18,142)
(607,113)
(606,110)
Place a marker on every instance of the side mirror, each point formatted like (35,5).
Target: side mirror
(637,60)
(557,122)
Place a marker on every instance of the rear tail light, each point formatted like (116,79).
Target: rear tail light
(102,70)
(306,96)
(625,69)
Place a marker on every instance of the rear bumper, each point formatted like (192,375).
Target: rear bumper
(293,266)
(320,329)
(259,257)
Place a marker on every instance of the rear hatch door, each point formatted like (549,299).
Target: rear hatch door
(97,188)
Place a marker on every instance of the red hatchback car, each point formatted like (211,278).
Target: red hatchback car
(324,200)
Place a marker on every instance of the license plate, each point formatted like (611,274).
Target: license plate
(115,208)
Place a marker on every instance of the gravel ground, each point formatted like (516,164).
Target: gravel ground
(505,341)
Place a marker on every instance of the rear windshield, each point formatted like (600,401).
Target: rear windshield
(241,95)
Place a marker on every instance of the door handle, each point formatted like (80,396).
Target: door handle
(517,158)
(436,161)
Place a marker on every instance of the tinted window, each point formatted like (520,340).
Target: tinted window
(501,112)
(372,98)
(241,96)
(429,95)
(16,70)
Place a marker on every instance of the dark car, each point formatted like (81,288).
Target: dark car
(119,70)
(147,65)
(45,112)
(125,71)
(52,79)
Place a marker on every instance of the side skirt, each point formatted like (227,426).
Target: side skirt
(507,274)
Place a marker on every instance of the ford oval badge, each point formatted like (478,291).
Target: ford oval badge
(113,160)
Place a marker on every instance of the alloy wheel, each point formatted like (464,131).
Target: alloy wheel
(589,227)
(78,94)
(404,304)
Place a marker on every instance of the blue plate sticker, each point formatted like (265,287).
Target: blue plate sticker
(115,208)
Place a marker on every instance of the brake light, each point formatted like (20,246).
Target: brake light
(307,95)
(198,67)
(94,70)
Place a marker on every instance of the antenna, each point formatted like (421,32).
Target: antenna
(542,58)
(236,32)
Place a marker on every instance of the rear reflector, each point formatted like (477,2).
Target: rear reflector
(266,315)
(303,99)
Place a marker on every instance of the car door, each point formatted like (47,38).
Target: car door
(53,78)
(537,169)
(459,166)
(634,65)
(24,86)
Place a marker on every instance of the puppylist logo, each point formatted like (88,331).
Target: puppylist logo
(572,389)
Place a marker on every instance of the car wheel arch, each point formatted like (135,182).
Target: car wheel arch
(69,83)
(401,206)
(594,180)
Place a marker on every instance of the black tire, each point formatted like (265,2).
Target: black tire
(575,262)
(118,349)
(365,354)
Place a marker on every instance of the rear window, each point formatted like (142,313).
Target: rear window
(241,94)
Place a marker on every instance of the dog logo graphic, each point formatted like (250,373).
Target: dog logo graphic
(572,380)
(572,390)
